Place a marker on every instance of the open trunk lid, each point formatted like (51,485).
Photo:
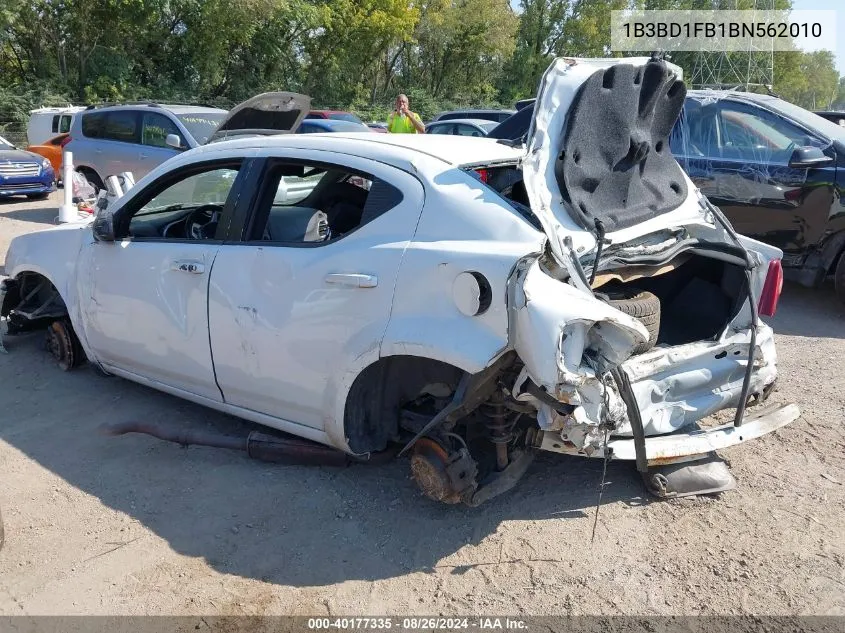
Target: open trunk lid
(264,114)
(598,151)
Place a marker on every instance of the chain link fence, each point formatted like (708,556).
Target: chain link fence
(14,132)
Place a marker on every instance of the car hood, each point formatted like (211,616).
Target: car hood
(597,157)
(264,114)
(18,155)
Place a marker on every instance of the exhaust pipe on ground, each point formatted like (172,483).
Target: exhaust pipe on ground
(276,449)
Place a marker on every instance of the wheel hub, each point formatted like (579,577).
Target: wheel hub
(61,345)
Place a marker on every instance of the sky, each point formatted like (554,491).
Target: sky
(830,5)
(807,5)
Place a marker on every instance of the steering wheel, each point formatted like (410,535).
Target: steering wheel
(201,223)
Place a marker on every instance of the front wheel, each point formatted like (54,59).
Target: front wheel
(839,278)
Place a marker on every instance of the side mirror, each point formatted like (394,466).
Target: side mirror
(806,157)
(103,224)
(173,140)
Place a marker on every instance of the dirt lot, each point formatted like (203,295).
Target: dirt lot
(133,525)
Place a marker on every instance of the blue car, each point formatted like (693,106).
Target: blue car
(319,126)
(24,173)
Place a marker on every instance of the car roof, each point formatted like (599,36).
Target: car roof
(481,122)
(449,149)
(175,108)
(334,124)
(731,94)
(485,110)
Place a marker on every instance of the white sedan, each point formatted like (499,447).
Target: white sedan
(465,299)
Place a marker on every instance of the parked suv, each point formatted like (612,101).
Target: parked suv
(136,138)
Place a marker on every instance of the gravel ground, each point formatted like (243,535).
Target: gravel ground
(133,525)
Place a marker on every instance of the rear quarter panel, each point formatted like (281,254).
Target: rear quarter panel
(464,227)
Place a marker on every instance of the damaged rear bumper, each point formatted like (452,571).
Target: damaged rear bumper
(682,446)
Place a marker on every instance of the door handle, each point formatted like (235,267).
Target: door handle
(352,280)
(188,266)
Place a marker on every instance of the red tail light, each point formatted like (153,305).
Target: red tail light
(771,289)
(483,174)
(65,141)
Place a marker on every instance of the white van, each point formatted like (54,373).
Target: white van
(45,123)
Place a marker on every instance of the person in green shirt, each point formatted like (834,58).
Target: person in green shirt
(402,120)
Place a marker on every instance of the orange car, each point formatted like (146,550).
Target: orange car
(52,151)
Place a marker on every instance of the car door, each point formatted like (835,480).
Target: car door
(145,295)
(153,150)
(739,156)
(296,311)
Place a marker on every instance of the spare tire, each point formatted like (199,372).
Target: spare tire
(643,306)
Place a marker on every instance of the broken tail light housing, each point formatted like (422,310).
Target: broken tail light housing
(771,289)
(483,174)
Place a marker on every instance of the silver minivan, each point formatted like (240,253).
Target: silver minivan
(109,140)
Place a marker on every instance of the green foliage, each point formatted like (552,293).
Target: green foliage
(349,54)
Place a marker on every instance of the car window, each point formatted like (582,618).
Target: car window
(201,125)
(307,204)
(93,124)
(189,208)
(344,116)
(55,126)
(756,134)
(64,123)
(121,125)
(468,130)
(155,128)
(442,129)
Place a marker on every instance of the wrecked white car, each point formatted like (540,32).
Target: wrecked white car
(469,301)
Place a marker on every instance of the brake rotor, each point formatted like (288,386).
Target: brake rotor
(428,470)
(63,345)
(441,476)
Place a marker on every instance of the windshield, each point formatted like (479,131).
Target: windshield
(488,127)
(4,144)
(809,119)
(344,116)
(201,125)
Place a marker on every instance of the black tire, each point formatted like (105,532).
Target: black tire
(92,177)
(839,278)
(643,306)
(37,196)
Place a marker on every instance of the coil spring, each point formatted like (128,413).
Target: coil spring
(498,420)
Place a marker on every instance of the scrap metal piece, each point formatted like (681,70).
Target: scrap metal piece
(705,477)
